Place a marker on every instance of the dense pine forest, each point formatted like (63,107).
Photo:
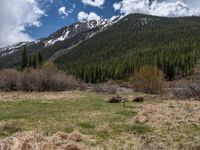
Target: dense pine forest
(171,44)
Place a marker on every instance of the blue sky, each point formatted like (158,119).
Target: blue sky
(28,20)
(53,21)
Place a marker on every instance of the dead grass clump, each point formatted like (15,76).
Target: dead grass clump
(171,113)
(9,127)
(175,124)
(36,141)
(141,118)
(76,136)
(72,147)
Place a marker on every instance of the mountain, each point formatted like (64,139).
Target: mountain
(114,49)
(66,37)
(171,44)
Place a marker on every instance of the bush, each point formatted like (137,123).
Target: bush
(48,78)
(9,79)
(186,89)
(148,79)
(108,87)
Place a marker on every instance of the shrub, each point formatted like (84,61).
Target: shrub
(148,79)
(48,78)
(9,79)
(108,87)
(186,89)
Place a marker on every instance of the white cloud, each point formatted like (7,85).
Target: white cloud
(94,3)
(15,16)
(159,7)
(62,11)
(84,17)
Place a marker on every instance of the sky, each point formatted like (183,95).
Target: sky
(29,20)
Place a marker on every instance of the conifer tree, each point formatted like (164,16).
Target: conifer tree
(24,58)
(39,59)
(34,63)
(30,61)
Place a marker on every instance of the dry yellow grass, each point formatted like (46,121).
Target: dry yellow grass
(34,140)
(13,96)
(83,120)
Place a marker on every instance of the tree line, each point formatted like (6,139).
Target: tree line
(170,44)
(31,60)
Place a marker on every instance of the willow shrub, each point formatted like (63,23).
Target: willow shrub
(148,79)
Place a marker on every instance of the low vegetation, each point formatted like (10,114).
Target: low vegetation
(83,120)
(148,79)
(185,89)
(46,78)
(109,87)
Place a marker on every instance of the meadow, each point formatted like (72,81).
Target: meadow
(156,123)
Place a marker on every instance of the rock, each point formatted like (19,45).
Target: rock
(115,99)
(138,99)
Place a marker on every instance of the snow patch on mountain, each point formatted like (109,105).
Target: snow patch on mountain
(71,30)
(11,49)
(64,34)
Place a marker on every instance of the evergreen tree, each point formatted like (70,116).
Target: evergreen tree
(30,61)
(34,63)
(39,59)
(24,58)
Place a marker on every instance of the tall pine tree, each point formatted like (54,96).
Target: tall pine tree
(34,63)
(24,58)
(30,61)
(39,59)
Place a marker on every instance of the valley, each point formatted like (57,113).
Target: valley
(129,82)
(49,118)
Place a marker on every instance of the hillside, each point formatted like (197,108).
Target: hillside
(171,44)
(65,37)
(113,49)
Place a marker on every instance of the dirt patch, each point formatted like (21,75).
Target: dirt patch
(36,141)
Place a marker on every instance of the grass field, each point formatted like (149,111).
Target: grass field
(168,124)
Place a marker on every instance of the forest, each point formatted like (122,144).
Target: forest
(170,44)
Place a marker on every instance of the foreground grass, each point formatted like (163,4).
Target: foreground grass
(111,124)
(89,114)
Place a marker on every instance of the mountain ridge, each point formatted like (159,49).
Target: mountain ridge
(63,38)
(116,48)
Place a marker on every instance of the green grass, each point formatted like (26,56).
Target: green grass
(110,124)
(141,128)
(87,114)
(87,125)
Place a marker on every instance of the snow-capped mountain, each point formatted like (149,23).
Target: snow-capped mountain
(67,36)
(70,31)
